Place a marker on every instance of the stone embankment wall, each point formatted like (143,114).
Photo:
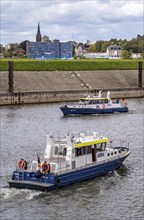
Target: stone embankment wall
(44,87)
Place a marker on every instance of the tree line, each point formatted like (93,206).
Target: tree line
(135,45)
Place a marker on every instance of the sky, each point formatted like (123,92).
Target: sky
(77,20)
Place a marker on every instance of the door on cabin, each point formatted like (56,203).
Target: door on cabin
(94,153)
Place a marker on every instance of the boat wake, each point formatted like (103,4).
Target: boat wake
(123,170)
(9,193)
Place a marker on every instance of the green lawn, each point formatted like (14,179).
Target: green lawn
(69,65)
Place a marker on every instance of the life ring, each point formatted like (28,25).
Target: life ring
(45,167)
(22,164)
(103,106)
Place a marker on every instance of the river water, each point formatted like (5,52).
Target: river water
(116,196)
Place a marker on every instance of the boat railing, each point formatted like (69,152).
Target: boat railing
(124,143)
(121,143)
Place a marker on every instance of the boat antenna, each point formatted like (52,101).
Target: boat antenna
(100,93)
(108,94)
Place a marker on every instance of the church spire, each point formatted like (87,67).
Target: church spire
(38,35)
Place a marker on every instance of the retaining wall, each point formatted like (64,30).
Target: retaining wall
(18,98)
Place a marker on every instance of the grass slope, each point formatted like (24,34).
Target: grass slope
(69,65)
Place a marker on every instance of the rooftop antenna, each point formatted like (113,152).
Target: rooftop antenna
(72,36)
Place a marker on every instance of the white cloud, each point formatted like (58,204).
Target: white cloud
(62,19)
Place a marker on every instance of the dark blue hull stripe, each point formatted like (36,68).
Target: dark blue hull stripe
(69,111)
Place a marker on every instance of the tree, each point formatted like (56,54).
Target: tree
(99,46)
(92,48)
(13,46)
(124,54)
(2,49)
(7,53)
(45,38)
(105,46)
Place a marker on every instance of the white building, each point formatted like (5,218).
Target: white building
(113,51)
(78,50)
(95,55)
(136,55)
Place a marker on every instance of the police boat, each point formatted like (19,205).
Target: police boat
(95,105)
(74,158)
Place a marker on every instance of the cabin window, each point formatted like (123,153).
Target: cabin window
(83,151)
(100,101)
(56,150)
(78,152)
(101,154)
(111,153)
(60,150)
(89,149)
(101,147)
(64,151)
(115,152)
(108,154)
(98,146)
(103,101)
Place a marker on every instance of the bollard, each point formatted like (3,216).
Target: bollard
(140,74)
(10,76)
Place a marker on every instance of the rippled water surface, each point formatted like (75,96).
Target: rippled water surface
(116,196)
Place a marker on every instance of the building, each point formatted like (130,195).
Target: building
(113,51)
(95,55)
(78,50)
(19,51)
(1,55)
(136,55)
(48,50)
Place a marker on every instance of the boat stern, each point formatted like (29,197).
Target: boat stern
(32,180)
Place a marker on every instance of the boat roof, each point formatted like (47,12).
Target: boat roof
(91,142)
(94,98)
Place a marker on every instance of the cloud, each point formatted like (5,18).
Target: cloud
(77,20)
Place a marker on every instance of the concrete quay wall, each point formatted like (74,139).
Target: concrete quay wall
(37,97)
(60,86)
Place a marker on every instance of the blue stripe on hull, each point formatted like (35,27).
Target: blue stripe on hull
(87,173)
(87,111)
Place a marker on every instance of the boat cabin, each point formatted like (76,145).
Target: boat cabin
(77,152)
(93,100)
(74,152)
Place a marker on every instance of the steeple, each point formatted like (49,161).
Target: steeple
(38,36)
